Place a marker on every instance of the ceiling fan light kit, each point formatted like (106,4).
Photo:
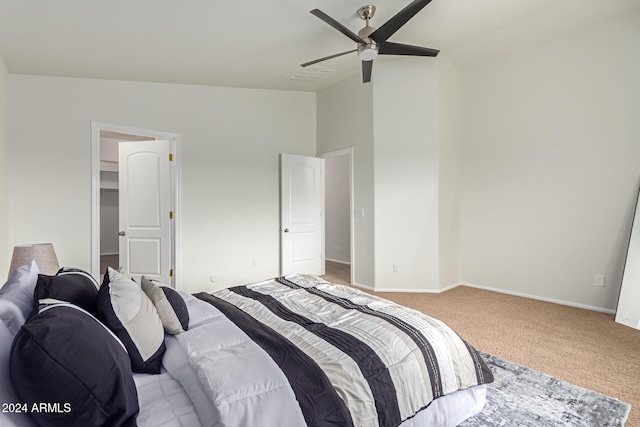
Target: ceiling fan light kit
(368,52)
(372,41)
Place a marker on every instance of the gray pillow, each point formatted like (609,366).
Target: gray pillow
(7,394)
(170,305)
(16,296)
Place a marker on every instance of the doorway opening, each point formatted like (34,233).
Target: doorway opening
(109,197)
(107,235)
(339,218)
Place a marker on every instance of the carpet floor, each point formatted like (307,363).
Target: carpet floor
(582,347)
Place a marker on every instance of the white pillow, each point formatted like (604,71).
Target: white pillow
(130,314)
(16,296)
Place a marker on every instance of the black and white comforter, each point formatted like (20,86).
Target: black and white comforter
(299,351)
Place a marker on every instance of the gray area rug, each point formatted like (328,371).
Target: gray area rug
(523,397)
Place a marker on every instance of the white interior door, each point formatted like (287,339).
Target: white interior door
(301,214)
(145,209)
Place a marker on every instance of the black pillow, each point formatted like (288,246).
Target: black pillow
(68,285)
(64,271)
(67,359)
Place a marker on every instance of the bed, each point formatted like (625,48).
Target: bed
(290,352)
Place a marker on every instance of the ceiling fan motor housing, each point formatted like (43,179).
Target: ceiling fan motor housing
(369,50)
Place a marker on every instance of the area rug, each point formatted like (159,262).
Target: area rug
(523,397)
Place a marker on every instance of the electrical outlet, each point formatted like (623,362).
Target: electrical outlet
(396,269)
(253,263)
(600,280)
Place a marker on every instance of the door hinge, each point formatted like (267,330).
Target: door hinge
(170,214)
(171,273)
(171,157)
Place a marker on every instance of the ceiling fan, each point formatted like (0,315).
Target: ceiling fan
(372,42)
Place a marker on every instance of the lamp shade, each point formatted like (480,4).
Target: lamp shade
(42,253)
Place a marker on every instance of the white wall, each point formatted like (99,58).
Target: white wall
(337,209)
(345,120)
(551,165)
(416,149)
(450,122)
(405,127)
(231,140)
(406,159)
(5,247)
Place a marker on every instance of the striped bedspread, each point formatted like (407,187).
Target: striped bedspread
(350,358)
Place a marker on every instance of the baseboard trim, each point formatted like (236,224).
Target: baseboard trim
(489,288)
(338,261)
(365,287)
(411,290)
(539,298)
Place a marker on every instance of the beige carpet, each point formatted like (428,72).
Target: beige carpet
(583,347)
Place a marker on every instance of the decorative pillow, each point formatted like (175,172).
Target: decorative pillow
(130,314)
(7,396)
(16,296)
(64,358)
(78,272)
(170,305)
(68,285)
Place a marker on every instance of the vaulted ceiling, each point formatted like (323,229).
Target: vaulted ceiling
(260,44)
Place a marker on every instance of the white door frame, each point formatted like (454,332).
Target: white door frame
(352,243)
(96,128)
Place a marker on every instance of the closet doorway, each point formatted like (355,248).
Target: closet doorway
(135,210)
(339,217)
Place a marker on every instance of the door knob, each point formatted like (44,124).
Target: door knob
(286,230)
(122,233)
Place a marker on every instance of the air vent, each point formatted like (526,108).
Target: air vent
(310,75)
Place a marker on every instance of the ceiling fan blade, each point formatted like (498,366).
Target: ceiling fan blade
(367,66)
(392,25)
(390,48)
(338,26)
(306,64)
